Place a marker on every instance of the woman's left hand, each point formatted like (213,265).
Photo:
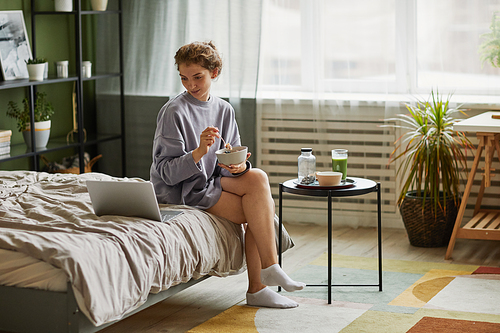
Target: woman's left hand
(236,168)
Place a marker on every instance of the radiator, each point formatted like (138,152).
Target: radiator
(283,133)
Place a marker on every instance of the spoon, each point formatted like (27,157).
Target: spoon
(227,146)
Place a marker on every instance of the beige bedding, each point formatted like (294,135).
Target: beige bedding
(112,262)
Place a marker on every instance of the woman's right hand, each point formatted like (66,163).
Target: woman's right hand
(207,139)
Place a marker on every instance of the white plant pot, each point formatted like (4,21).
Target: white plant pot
(63,5)
(36,71)
(99,5)
(42,134)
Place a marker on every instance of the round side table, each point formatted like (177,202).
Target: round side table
(361,186)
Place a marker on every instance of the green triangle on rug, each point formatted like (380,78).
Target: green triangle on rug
(417,296)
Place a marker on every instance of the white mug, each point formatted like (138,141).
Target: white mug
(86,69)
(62,68)
(63,5)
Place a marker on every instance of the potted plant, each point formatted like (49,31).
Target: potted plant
(43,113)
(432,160)
(490,47)
(36,68)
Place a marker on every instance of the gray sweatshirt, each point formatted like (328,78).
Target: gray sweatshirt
(177,179)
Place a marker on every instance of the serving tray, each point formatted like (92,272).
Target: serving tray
(344,184)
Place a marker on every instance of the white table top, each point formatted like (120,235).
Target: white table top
(480,123)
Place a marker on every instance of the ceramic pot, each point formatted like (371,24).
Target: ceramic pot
(99,5)
(42,134)
(36,72)
(63,5)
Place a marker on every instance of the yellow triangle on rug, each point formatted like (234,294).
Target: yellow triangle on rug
(235,319)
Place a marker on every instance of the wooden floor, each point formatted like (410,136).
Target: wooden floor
(197,304)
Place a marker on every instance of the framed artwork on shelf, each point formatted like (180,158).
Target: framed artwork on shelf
(14,45)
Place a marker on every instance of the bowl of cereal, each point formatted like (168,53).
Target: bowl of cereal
(234,155)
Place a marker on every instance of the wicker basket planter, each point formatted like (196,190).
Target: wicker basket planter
(424,228)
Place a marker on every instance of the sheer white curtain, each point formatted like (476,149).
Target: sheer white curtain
(153,31)
(332,70)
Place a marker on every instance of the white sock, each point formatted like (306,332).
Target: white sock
(275,276)
(268,298)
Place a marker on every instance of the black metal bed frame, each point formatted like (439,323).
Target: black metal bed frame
(41,311)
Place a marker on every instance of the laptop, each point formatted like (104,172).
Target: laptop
(126,198)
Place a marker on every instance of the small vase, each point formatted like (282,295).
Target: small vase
(63,5)
(99,5)
(42,134)
(36,71)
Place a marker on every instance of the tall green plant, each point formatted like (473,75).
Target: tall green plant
(432,154)
(490,47)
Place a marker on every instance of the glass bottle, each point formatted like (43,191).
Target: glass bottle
(307,166)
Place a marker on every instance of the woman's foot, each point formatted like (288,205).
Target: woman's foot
(270,299)
(275,276)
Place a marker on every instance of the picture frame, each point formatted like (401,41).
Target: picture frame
(14,45)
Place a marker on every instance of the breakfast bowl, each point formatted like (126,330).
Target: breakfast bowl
(328,178)
(235,155)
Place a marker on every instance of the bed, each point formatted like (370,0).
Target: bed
(64,269)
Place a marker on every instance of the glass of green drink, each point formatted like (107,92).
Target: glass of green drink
(339,161)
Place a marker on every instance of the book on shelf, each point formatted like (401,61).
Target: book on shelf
(5,142)
(4,150)
(5,134)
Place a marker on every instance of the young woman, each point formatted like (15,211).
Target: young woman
(185,171)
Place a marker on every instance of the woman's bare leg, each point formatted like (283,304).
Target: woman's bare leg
(253,263)
(255,207)
(257,294)
(248,199)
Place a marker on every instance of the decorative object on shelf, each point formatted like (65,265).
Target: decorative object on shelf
(99,5)
(70,137)
(86,69)
(37,68)
(43,112)
(62,68)
(432,159)
(63,5)
(490,47)
(70,164)
(14,45)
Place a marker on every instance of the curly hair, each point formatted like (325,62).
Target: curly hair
(204,54)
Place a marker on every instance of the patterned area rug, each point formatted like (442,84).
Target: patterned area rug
(416,297)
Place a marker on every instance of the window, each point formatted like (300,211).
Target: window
(376,46)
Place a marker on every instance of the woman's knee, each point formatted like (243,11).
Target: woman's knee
(258,177)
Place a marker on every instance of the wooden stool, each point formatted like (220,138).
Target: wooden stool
(485,223)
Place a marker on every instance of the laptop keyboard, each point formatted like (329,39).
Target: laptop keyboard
(167,215)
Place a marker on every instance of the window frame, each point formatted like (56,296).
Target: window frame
(405,80)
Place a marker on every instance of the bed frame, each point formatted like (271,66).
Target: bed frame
(40,311)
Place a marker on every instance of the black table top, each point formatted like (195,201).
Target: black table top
(361,186)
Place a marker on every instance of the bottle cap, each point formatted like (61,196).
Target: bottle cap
(306,149)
